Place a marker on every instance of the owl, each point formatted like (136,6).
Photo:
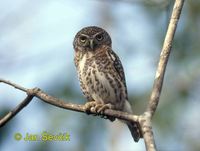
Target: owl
(101,74)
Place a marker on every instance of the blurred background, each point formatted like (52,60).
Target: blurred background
(36,51)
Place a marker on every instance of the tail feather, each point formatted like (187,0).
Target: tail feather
(134,127)
(135,130)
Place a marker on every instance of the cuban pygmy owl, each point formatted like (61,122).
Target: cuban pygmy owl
(101,74)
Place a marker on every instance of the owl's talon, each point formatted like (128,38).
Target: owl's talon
(89,106)
(101,108)
(93,106)
(92,109)
(108,118)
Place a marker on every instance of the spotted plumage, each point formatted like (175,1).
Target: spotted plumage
(101,73)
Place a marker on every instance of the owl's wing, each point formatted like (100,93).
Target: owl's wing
(118,66)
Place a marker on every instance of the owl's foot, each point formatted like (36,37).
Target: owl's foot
(89,106)
(93,106)
(100,108)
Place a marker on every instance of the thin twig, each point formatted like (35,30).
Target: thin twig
(16,110)
(16,86)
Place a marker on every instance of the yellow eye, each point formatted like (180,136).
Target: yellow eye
(83,39)
(99,37)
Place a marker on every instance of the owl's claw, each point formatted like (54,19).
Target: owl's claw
(89,106)
(100,108)
(93,106)
(108,117)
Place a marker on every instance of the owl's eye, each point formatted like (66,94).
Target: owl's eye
(99,37)
(83,39)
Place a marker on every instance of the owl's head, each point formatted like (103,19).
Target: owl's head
(90,38)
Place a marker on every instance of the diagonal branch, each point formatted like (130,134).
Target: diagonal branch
(145,120)
(164,56)
(16,110)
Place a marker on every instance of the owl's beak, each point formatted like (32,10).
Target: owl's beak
(91,43)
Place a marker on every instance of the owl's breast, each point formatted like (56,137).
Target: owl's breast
(81,64)
(96,81)
(99,80)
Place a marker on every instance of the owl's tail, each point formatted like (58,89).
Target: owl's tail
(135,130)
(134,127)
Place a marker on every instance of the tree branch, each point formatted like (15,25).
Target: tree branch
(158,82)
(16,110)
(144,120)
(36,92)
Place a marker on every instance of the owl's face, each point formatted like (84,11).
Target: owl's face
(90,38)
